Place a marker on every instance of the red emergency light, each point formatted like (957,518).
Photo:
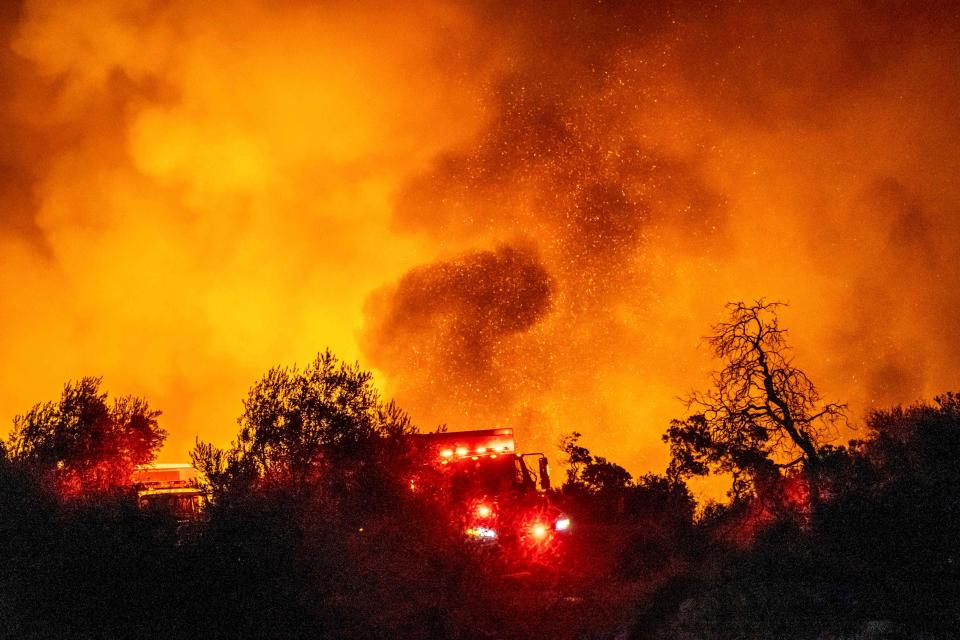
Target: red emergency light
(455,445)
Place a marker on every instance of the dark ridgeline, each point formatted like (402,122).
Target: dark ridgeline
(312,530)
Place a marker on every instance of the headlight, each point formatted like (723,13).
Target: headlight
(562,524)
(483,533)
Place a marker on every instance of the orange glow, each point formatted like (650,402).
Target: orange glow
(484,511)
(520,218)
(446,453)
(538,531)
(462,451)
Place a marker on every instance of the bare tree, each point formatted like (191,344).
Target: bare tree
(761,413)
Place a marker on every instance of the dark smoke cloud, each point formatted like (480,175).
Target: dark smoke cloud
(458,320)
(558,165)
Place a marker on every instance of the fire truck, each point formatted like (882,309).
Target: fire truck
(499,496)
(171,488)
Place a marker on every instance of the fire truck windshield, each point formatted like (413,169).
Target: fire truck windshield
(182,504)
(490,476)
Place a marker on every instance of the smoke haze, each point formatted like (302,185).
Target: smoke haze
(519,214)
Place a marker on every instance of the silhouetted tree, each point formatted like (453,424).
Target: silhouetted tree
(83,442)
(603,475)
(588,472)
(881,544)
(313,523)
(325,424)
(921,441)
(762,413)
(576,457)
(894,516)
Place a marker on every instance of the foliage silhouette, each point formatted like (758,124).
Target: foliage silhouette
(327,541)
(762,413)
(320,429)
(83,443)
(312,504)
(595,474)
(879,551)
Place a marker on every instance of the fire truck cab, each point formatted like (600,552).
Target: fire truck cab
(171,488)
(498,493)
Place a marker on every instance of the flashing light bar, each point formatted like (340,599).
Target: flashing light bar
(467,444)
(463,452)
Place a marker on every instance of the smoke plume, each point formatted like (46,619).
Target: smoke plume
(520,214)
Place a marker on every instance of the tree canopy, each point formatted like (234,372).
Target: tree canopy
(325,424)
(84,442)
(594,473)
(761,413)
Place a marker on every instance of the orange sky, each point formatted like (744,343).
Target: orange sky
(518,214)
